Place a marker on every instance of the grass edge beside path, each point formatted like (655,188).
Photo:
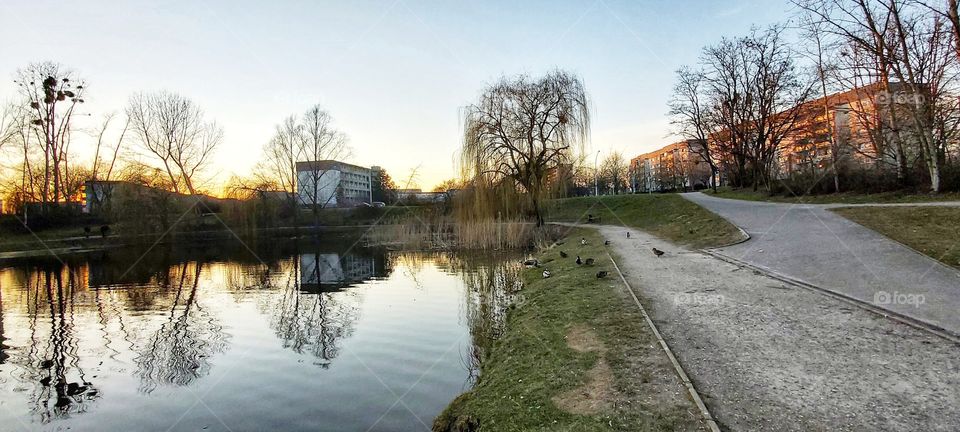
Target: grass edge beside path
(534,362)
(668,216)
(932,231)
(893,197)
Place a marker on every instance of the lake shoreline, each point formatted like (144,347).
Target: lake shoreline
(573,356)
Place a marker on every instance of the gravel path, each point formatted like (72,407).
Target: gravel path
(820,247)
(769,356)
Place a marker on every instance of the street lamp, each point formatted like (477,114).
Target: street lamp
(596,176)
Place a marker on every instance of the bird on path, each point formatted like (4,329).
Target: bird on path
(658,252)
(583,242)
(546,274)
(579,261)
(601,274)
(606,242)
(589,261)
(563,254)
(628,234)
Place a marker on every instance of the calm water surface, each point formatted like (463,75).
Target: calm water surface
(222,337)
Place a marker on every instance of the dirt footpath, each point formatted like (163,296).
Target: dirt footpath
(769,356)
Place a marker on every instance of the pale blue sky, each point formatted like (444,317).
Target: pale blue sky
(392,72)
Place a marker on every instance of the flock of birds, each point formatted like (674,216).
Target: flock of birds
(589,262)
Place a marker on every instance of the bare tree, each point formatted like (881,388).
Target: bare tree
(755,96)
(914,50)
(817,51)
(305,140)
(172,128)
(318,140)
(691,114)
(523,129)
(105,155)
(51,95)
(614,172)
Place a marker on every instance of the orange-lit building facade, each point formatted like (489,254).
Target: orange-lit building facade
(856,121)
(677,166)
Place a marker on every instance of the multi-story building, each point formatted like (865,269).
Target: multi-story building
(330,183)
(677,166)
(851,126)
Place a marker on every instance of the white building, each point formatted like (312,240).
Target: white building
(330,183)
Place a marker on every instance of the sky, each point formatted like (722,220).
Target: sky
(394,74)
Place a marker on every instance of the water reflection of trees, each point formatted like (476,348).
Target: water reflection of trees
(309,319)
(493,285)
(50,367)
(179,351)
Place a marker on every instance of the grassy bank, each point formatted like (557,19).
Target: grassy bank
(668,216)
(934,231)
(576,356)
(837,198)
(15,238)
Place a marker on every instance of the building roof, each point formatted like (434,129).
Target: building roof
(327,164)
(662,150)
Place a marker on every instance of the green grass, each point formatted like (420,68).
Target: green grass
(531,362)
(934,231)
(50,238)
(668,216)
(837,198)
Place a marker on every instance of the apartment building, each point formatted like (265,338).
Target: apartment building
(851,126)
(677,166)
(330,183)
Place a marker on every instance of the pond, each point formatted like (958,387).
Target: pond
(241,336)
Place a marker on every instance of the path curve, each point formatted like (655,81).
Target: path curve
(809,243)
(766,355)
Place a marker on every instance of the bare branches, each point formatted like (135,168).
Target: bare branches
(614,172)
(741,105)
(521,130)
(103,169)
(309,137)
(50,95)
(908,50)
(173,130)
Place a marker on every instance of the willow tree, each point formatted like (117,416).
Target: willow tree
(524,131)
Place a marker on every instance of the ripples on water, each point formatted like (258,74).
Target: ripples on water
(287,337)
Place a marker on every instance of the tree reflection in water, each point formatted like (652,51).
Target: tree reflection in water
(70,323)
(60,387)
(179,351)
(493,285)
(309,309)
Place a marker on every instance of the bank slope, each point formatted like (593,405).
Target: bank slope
(575,355)
(667,216)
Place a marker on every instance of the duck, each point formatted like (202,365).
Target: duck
(658,252)
(531,262)
(563,254)
(546,274)
(589,261)
(579,261)
(606,242)
(601,274)
(583,242)
(628,234)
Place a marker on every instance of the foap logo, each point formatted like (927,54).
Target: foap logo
(698,299)
(898,298)
(900,98)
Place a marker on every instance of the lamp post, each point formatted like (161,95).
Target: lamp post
(596,176)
